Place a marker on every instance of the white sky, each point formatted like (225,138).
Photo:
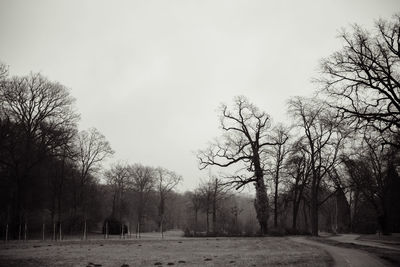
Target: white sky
(151,74)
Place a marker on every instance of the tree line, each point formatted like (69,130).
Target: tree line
(51,173)
(338,157)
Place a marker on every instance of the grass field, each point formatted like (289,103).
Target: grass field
(268,251)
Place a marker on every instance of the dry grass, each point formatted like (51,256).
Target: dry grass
(269,251)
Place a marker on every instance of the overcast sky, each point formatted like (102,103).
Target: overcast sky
(150,75)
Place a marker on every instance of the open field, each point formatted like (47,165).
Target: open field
(269,251)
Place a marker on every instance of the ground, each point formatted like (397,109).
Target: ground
(268,251)
(353,248)
(151,250)
(344,256)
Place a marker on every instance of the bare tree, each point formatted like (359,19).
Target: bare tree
(93,148)
(118,178)
(362,78)
(206,194)
(33,100)
(245,144)
(212,192)
(323,138)
(279,152)
(142,181)
(298,169)
(43,112)
(371,169)
(196,199)
(166,181)
(219,191)
(3,72)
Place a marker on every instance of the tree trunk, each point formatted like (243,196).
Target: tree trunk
(261,206)
(261,201)
(305,215)
(214,216)
(113,205)
(294,216)
(208,221)
(276,200)
(196,211)
(314,210)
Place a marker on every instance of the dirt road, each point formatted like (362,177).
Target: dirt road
(344,256)
(353,239)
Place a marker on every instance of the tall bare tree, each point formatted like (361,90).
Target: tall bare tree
(166,181)
(279,152)
(244,143)
(43,112)
(195,204)
(324,135)
(362,79)
(118,178)
(143,182)
(298,170)
(372,170)
(93,148)
(219,191)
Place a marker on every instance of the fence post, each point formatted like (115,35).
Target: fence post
(60,232)
(84,231)
(106,229)
(43,232)
(26,229)
(54,231)
(6,232)
(162,229)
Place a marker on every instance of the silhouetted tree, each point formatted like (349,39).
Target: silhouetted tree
(362,79)
(323,138)
(298,170)
(118,178)
(195,201)
(93,148)
(166,181)
(245,144)
(372,171)
(142,181)
(43,119)
(278,155)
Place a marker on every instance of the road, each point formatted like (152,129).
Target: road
(344,256)
(353,239)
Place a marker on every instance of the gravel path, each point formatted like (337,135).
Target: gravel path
(352,239)
(344,256)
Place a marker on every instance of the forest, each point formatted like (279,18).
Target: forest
(334,166)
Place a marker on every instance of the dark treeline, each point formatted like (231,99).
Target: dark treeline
(48,168)
(334,167)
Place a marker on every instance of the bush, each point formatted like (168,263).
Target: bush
(114,226)
(277,231)
(291,231)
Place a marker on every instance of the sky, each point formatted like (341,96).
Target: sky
(150,75)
